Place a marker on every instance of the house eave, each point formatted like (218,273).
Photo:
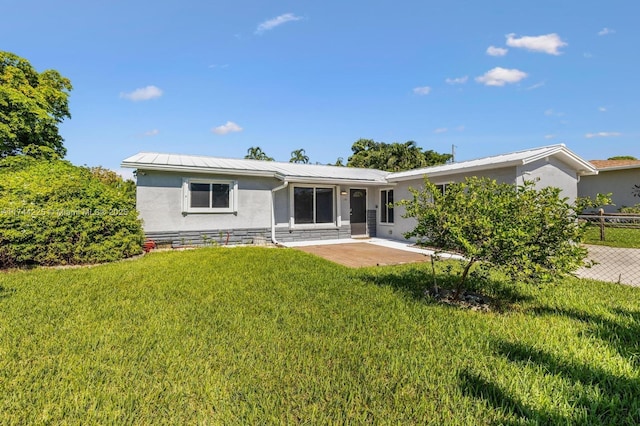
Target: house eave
(207,170)
(333,181)
(449,172)
(254,173)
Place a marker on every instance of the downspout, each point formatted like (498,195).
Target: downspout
(273,210)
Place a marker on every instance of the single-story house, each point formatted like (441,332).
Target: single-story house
(190,199)
(617,177)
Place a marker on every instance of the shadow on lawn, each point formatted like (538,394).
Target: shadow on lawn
(606,399)
(6,292)
(417,281)
(622,335)
(476,386)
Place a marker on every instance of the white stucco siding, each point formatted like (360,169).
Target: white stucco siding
(160,202)
(551,172)
(400,225)
(282,207)
(617,182)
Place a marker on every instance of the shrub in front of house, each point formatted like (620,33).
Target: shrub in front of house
(528,233)
(55,213)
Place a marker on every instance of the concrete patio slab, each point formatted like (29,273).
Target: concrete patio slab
(361,254)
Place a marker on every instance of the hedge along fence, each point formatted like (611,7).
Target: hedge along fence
(55,213)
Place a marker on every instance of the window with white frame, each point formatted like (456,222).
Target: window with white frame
(209,196)
(386,206)
(442,188)
(313,205)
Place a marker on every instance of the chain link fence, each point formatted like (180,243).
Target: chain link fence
(610,263)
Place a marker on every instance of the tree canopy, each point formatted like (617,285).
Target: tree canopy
(622,157)
(393,157)
(299,156)
(32,105)
(256,153)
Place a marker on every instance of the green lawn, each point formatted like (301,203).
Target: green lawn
(272,336)
(614,237)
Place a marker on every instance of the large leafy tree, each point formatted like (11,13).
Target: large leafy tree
(393,157)
(256,153)
(32,105)
(528,233)
(299,156)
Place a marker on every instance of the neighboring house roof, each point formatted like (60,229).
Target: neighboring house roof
(229,166)
(505,160)
(608,165)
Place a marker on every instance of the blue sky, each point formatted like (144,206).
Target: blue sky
(217,77)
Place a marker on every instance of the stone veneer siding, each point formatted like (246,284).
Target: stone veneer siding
(258,236)
(372,216)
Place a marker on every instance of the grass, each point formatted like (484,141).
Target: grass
(272,336)
(614,237)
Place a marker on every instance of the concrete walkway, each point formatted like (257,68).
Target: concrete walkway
(617,265)
(357,253)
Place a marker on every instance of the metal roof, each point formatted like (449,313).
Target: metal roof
(504,160)
(314,173)
(231,166)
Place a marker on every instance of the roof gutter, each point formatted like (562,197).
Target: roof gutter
(273,210)
(421,173)
(195,169)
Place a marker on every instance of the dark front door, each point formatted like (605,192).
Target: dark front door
(358,217)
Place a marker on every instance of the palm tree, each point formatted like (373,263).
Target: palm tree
(298,156)
(256,153)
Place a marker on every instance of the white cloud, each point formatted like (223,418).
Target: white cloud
(548,43)
(460,128)
(458,80)
(496,51)
(153,132)
(229,127)
(501,76)
(441,130)
(602,109)
(587,55)
(424,90)
(602,135)
(606,31)
(536,86)
(550,112)
(277,21)
(142,94)
(549,136)
(218,66)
